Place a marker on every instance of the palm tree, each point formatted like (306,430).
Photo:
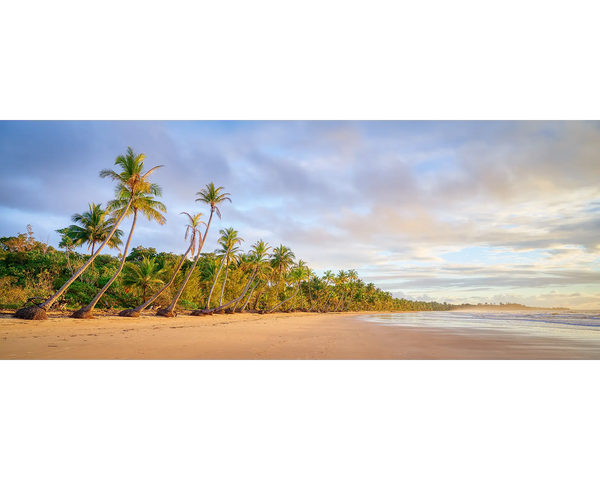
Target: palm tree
(213,197)
(135,312)
(193,231)
(282,259)
(143,275)
(131,177)
(303,276)
(352,277)
(310,277)
(340,282)
(230,254)
(227,241)
(150,208)
(66,242)
(295,276)
(258,254)
(254,259)
(328,278)
(94,227)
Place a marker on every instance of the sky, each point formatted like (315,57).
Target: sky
(456,211)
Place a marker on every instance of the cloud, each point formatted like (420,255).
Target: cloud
(391,199)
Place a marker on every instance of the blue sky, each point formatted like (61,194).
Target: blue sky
(453,211)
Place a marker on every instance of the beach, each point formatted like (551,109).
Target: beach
(278,336)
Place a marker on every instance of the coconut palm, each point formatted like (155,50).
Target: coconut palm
(294,277)
(193,230)
(227,241)
(213,197)
(135,312)
(340,283)
(66,242)
(143,203)
(303,276)
(230,252)
(282,259)
(253,260)
(132,177)
(264,275)
(94,226)
(352,278)
(143,275)
(328,278)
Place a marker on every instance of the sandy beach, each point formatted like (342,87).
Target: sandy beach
(280,336)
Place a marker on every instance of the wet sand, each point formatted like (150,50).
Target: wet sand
(277,336)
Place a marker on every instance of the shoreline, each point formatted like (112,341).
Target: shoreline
(277,336)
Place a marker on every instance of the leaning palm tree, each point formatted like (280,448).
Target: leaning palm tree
(213,197)
(328,278)
(94,227)
(258,254)
(150,208)
(295,276)
(131,177)
(252,260)
(227,241)
(230,254)
(135,312)
(193,231)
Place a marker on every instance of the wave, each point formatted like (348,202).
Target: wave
(570,323)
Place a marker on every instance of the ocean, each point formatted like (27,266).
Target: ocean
(569,324)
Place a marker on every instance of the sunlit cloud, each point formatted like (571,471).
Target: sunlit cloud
(437,209)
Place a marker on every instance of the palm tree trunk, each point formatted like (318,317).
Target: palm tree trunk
(213,286)
(251,279)
(48,303)
(258,296)
(224,282)
(287,299)
(326,301)
(223,307)
(249,296)
(86,312)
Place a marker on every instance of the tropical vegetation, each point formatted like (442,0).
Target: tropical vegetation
(34,276)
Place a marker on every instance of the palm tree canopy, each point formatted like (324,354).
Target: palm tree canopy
(228,242)
(213,196)
(282,259)
(192,230)
(142,275)
(132,176)
(93,227)
(260,250)
(229,238)
(143,203)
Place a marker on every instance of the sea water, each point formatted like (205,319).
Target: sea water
(571,324)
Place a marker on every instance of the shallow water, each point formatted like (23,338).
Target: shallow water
(573,325)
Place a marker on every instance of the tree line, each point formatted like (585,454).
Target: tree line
(265,278)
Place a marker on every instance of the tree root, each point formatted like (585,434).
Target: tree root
(82,313)
(31,313)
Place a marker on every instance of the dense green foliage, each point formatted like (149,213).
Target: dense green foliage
(29,268)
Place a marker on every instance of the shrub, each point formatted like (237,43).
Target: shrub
(186,304)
